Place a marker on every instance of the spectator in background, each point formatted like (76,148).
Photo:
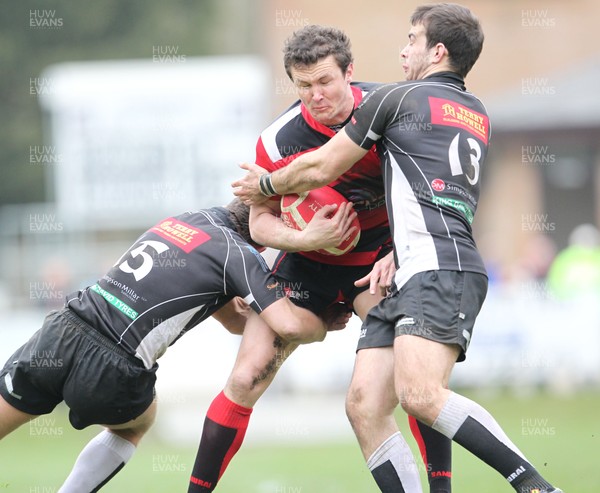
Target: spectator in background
(575,272)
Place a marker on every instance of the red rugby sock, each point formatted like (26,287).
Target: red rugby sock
(222,436)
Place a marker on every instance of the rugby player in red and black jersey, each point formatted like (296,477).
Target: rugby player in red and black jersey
(318,61)
(99,353)
(432,136)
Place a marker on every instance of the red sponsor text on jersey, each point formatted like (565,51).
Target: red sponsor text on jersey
(180,234)
(447,112)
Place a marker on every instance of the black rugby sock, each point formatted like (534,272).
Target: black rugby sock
(471,426)
(436,452)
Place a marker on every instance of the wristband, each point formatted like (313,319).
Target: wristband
(265,183)
(269,183)
(262,186)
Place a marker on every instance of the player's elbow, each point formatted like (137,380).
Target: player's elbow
(258,235)
(259,227)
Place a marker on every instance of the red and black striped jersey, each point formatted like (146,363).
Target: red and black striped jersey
(295,132)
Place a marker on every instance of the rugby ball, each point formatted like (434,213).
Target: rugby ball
(297,210)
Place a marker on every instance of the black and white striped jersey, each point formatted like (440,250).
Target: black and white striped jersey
(173,277)
(432,136)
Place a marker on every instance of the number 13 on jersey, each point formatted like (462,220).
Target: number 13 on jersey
(456,167)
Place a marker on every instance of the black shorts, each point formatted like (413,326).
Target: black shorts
(69,360)
(314,285)
(439,305)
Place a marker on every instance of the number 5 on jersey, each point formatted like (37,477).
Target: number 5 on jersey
(147,261)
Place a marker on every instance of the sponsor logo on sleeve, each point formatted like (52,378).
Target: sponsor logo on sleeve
(181,234)
(446,112)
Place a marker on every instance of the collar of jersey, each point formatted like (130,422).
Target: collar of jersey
(324,129)
(449,77)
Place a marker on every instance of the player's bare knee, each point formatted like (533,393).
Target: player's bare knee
(357,404)
(418,400)
(355,414)
(240,384)
(352,403)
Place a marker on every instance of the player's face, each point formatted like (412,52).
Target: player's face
(416,55)
(325,90)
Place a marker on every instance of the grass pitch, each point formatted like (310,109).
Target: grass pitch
(560,435)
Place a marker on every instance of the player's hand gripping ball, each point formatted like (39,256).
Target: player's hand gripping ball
(297,210)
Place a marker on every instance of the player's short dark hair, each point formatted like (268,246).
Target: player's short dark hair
(313,43)
(240,217)
(456,27)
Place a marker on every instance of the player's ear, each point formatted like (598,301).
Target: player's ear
(349,72)
(439,50)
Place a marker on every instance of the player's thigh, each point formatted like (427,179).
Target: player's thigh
(11,418)
(423,360)
(135,429)
(422,371)
(434,313)
(364,301)
(260,355)
(371,389)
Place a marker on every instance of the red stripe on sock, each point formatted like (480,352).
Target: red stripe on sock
(235,446)
(416,431)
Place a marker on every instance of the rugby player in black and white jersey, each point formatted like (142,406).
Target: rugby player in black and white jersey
(432,136)
(318,61)
(106,340)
